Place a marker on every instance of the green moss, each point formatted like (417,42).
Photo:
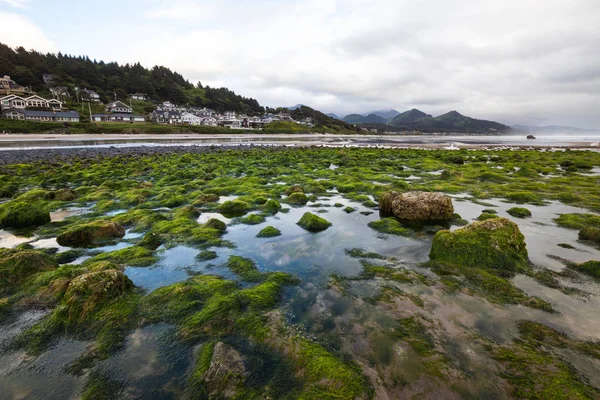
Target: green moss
(400,275)
(485,216)
(591,268)
(349,210)
(245,269)
(68,256)
(493,177)
(413,331)
(591,234)
(234,207)
(91,234)
(16,266)
(524,197)
(8,191)
(23,214)
(65,195)
(206,255)
(296,199)
(269,232)
(271,206)
(216,224)
(494,243)
(253,219)
(151,241)
(134,256)
(391,226)
(578,221)
(313,223)
(519,212)
(360,253)
(101,387)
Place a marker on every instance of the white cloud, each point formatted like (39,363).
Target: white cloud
(16,3)
(16,30)
(185,11)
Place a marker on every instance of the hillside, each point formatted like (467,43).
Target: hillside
(386,114)
(110,79)
(360,119)
(409,117)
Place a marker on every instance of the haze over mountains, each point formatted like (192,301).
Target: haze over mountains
(417,120)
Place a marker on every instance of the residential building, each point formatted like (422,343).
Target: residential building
(139,96)
(209,121)
(8,86)
(16,102)
(88,96)
(163,116)
(233,123)
(36,101)
(190,119)
(12,102)
(118,117)
(118,107)
(44,116)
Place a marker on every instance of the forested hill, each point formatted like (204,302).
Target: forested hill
(160,83)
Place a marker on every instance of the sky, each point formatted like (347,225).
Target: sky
(534,62)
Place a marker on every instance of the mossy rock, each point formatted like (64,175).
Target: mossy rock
(524,197)
(91,234)
(217,224)
(151,241)
(494,243)
(349,210)
(313,223)
(65,195)
(294,189)
(591,234)
(422,206)
(206,255)
(234,207)
(16,266)
(296,199)
(591,268)
(253,219)
(390,226)
(205,199)
(271,206)
(519,212)
(484,216)
(36,195)
(8,191)
(22,214)
(244,268)
(87,293)
(269,232)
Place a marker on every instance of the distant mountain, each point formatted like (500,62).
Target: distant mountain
(332,115)
(361,119)
(295,107)
(552,129)
(409,117)
(386,114)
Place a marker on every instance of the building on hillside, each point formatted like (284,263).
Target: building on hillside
(60,92)
(118,107)
(139,96)
(233,123)
(163,116)
(284,117)
(43,116)
(8,86)
(16,102)
(119,117)
(209,121)
(88,96)
(190,119)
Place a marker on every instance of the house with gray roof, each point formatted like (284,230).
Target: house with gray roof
(42,116)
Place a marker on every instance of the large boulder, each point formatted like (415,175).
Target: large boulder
(91,234)
(494,243)
(422,206)
(227,372)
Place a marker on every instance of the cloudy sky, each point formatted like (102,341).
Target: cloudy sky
(516,61)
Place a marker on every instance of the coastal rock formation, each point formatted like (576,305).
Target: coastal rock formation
(90,234)
(417,206)
(226,372)
(494,243)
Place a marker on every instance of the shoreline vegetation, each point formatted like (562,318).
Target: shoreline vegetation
(252,329)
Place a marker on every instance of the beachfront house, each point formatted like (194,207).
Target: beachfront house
(190,119)
(119,117)
(42,116)
(118,107)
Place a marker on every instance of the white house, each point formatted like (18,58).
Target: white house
(87,95)
(139,96)
(166,117)
(15,102)
(209,121)
(12,101)
(44,116)
(118,107)
(118,117)
(36,101)
(190,119)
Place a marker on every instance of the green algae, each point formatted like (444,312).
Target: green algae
(23,214)
(245,269)
(519,212)
(134,256)
(91,234)
(578,221)
(591,234)
(234,207)
(268,232)
(296,199)
(391,226)
(253,219)
(16,266)
(494,243)
(206,255)
(313,223)
(271,206)
(591,268)
(485,216)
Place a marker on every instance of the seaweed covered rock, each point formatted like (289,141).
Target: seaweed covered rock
(217,224)
(591,268)
(294,189)
(90,234)
(297,199)
(151,241)
(519,212)
(269,232)
(23,214)
(272,206)
(591,234)
(494,243)
(65,195)
(15,265)
(8,191)
(88,292)
(313,223)
(423,206)
(221,370)
(234,207)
